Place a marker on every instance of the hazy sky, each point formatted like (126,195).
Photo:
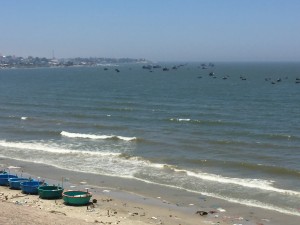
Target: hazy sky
(159,30)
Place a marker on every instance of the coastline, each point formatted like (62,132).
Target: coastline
(136,201)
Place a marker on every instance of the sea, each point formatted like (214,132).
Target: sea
(225,130)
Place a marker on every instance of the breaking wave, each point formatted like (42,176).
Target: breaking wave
(52,149)
(93,136)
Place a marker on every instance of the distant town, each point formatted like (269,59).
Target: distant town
(32,62)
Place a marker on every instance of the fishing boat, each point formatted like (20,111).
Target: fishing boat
(15,183)
(31,187)
(50,192)
(4,179)
(76,197)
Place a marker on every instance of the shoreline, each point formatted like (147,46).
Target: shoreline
(154,199)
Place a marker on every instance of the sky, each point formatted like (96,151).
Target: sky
(158,30)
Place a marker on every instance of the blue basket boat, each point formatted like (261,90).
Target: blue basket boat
(76,197)
(50,192)
(31,187)
(4,179)
(15,183)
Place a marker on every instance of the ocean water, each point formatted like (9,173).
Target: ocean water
(234,135)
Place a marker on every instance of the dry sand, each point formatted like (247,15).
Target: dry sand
(19,208)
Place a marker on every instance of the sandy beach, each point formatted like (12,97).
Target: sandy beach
(115,205)
(19,208)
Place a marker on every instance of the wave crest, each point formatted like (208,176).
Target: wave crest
(94,136)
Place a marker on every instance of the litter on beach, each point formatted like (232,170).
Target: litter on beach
(221,210)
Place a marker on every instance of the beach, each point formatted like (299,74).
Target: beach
(173,143)
(112,207)
(116,206)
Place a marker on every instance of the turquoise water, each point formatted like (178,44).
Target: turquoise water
(233,135)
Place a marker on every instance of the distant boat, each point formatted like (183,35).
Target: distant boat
(105,68)
(156,66)
(165,69)
(117,70)
(147,67)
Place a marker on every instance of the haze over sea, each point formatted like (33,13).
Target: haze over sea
(233,135)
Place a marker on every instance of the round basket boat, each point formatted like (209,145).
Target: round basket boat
(31,187)
(15,183)
(4,179)
(76,197)
(50,192)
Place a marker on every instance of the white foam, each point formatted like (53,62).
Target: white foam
(126,138)
(252,203)
(23,118)
(249,183)
(140,163)
(185,120)
(180,119)
(93,136)
(52,149)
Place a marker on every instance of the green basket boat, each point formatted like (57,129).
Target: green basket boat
(50,192)
(76,197)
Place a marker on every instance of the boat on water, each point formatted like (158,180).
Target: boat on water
(147,67)
(156,66)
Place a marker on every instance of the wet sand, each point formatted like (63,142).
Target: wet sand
(122,201)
